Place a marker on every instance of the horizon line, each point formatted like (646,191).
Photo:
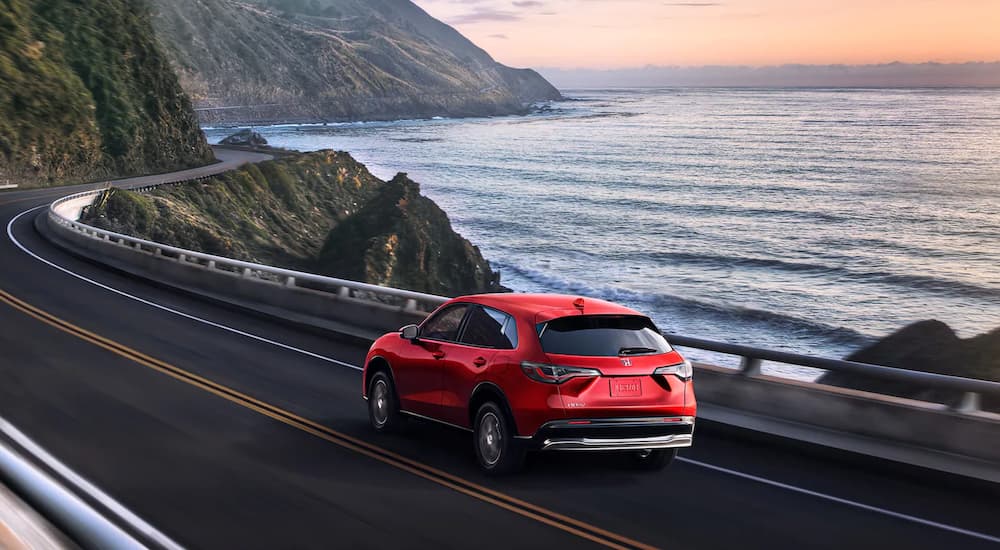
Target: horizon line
(768,66)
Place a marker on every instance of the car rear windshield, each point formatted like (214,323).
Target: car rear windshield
(601,336)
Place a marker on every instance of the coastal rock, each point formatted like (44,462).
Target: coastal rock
(319,212)
(402,239)
(247,138)
(929,346)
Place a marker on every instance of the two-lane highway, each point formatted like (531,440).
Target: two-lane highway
(225,429)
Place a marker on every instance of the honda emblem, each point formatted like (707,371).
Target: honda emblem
(627,362)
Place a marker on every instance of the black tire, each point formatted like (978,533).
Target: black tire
(651,460)
(497,450)
(383,405)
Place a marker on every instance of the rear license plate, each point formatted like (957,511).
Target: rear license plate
(626,387)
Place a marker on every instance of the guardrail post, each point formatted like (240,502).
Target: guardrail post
(121,242)
(158,252)
(411,305)
(290,282)
(969,403)
(344,292)
(247,272)
(211,264)
(138,246)
(182,258)
(750,366)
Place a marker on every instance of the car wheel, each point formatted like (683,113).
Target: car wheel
(497,450)
(383,407)
(651,460)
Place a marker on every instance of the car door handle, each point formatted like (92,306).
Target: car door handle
(438,354)
(479,361)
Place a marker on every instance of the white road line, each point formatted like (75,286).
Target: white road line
(831,498)
(10,233)
(844,501)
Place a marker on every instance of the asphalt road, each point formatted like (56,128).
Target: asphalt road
(229,430)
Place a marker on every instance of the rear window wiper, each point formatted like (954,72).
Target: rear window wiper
(636,351)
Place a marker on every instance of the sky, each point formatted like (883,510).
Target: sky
(608,34)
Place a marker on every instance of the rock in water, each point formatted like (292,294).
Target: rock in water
(246,138)
(929,346)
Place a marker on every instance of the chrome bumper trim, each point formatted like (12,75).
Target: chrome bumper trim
(620,422)
(617,444)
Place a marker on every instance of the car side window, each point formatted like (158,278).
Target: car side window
(444,326)
(490,328)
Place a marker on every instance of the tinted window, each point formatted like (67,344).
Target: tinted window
(490,328)
(601,336)
(444,325)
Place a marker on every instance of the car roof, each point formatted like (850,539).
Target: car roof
(550,306)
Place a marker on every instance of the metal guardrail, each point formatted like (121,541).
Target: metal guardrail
(408,300)
(751,357)
(67,511)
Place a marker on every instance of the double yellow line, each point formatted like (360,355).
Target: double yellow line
(479,492)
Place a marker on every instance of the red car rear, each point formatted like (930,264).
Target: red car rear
(537,372)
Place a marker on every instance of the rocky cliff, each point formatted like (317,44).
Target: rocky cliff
(85,93)
(402,239)
(929,346)
(320,212)
(329,60)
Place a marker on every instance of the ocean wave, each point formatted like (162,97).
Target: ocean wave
(658,303)
(580,196)
(927,283)
(417,139)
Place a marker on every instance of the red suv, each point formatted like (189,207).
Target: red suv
(536,372)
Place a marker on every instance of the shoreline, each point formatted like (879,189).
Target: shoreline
(292,122)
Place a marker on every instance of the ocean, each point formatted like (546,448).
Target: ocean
(807,220)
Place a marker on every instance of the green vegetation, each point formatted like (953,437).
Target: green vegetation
(402,239)
(85,93)
(319,212)
(293,60)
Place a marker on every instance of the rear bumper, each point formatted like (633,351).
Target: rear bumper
(615,434)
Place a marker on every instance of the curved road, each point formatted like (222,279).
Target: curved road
(226,429)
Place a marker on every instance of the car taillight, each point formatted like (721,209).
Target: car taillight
(555,374)
(682,370)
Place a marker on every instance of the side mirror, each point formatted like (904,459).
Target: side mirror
(410,332)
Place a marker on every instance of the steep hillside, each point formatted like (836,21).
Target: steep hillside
(85,93)
(320,212)
(334,60)
(929,346)
(402,239)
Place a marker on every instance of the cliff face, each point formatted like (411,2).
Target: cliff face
(319,212)
(293,60)
(929,346)
(86,93)
(402,239)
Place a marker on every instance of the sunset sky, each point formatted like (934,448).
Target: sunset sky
(631,33)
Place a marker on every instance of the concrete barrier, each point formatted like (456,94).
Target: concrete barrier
(363,319)
(887,419)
